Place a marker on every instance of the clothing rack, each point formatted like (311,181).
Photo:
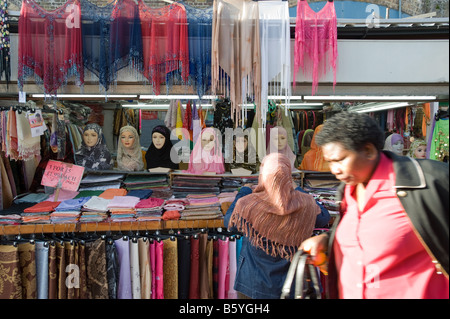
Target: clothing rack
(109,227)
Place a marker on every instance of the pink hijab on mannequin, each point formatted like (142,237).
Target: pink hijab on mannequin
(207,153)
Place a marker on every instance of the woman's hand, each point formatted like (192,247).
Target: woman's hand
(317,247)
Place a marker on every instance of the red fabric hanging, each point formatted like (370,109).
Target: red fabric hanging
(315,48)
(50,45)
(165,42)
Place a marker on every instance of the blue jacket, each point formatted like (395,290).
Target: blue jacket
(259,275)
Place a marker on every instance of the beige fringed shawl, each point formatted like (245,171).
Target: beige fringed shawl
(236,56)
(276,217)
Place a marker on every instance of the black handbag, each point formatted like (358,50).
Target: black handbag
(306,278)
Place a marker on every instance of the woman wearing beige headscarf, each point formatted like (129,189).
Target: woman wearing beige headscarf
(129,153)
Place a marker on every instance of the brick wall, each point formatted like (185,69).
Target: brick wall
(411,7)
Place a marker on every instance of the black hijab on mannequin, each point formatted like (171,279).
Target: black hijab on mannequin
(161,157)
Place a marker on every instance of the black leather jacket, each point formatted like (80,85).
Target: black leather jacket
(423,190)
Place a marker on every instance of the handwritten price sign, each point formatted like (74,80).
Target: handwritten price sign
(62,175)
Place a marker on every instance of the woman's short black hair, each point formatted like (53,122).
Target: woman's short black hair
(352,130)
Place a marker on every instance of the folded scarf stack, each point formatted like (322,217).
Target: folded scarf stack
(122,208)
(202,206)
(94,210)
(68,211)
(149,209)
(39,213)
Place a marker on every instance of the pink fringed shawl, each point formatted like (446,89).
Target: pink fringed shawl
(315,48)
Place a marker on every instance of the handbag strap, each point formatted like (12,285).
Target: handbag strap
(299,268)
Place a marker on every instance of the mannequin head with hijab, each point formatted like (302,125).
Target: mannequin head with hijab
(129,154)
(394,143)
(161,152)
(279,143)
(93,152)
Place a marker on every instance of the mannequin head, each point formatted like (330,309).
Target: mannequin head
(90,137)
(127,138)
(158,140)
(418,149)
(241,143)
(394,143)
(207,140)
(278,139)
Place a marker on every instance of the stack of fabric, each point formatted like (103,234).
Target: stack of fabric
(202,206)
(122,208)
(173,208)
(158,183)
(39,213)
(94,210)
(96,181)
(183,185)
(111,192)
(10,219)
(149,209)
(68,211)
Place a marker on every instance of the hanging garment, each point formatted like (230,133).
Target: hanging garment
(235,64)
(144,268)
(199,36)
(135,269)
(95,28)
(28,147)
(170,268)
(313,158)
(97,281)
(112,268)
(5,44)
(124,290)
(125,38)
(42,250)
(165,44)
(203,267)
(194,287)
(50,45)
(275,39)
(232,294)
(439,148)
(9,259)
(315,49)
(159,269)
(184,266)
(153,267)
(223,271)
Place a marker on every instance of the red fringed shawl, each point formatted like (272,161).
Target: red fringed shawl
(315,48)
(50,45)
(165,43)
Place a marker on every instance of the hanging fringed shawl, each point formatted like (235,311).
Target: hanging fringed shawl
(165,45)
(50,45)
(199,35)
(236,57)
(315,48)
(125,38)
(275,40)
(5,56)
(96,45)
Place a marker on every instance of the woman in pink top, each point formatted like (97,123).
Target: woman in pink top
(391,239)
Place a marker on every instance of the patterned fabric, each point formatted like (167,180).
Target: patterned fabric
(50,47)
(315,49)
(199,35)
(10,278)
(97,282)
(165,44)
